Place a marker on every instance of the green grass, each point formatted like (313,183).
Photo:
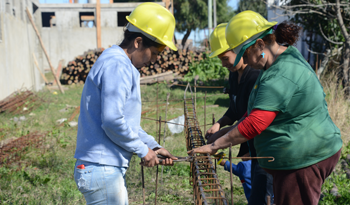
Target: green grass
(45,175)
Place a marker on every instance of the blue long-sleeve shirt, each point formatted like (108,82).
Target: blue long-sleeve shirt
(243,171)
(109,129)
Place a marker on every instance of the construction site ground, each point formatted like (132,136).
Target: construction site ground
(44,174)
(40,168)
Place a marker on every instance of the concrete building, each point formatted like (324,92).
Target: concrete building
(18,42)
(68,30)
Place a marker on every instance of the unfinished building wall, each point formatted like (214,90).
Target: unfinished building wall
(18,42)
(74,28)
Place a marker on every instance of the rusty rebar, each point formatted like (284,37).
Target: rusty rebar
(143,185)
(157,99)
(159,133)
(166,112)
(206,185)
(205,111)
(213,122)
(231,179)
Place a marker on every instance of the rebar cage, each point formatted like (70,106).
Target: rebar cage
(203,177)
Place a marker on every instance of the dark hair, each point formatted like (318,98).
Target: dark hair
(129,38)
(286,32)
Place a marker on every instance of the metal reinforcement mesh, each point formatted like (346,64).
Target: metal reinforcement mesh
(205,182)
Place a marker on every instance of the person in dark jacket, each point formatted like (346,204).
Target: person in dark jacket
(242,79)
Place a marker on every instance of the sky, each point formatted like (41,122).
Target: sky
(195,35)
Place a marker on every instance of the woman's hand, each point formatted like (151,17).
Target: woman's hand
(212,130)
(209,148)
(218,134)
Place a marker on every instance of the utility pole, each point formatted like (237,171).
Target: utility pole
(214,5)
(210,16)
(98,23)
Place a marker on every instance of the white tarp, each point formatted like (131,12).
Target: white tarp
(177,128)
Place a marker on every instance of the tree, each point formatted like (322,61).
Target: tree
(193,14)
(331,20)
(254,5)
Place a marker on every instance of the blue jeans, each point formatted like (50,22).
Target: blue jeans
(101,184)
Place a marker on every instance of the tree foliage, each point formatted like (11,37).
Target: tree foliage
(193,14)
(320,19)
(331,20)
(253,5)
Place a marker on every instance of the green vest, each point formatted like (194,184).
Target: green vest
(302,133)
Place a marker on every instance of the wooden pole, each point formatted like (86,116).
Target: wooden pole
(44,49)
(98,23)
(172,7)
(37,66)
(111,1)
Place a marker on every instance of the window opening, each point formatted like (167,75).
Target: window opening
(8,6)
(87,19)
(48,19)
(122,18)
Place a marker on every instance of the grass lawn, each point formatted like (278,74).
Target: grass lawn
(45,175)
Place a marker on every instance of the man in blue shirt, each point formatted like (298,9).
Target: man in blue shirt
(109,129)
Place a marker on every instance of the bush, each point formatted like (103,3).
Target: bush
(207,69)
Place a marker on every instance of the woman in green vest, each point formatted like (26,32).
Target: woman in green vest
(287,113)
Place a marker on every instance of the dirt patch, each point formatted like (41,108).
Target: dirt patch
(13,149)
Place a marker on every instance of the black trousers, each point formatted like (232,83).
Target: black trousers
(262,185)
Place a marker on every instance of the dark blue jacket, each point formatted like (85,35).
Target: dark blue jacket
(242,170)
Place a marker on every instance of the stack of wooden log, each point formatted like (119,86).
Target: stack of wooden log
(168,60)
(176,61)
(77,70)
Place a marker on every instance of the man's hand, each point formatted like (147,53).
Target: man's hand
(209,148)
(150,159)
(169,160)
(212,130)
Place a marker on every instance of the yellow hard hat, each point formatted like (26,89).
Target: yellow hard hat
(244,29)
(218,41)
(156,21)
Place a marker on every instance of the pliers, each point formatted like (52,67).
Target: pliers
(179,159)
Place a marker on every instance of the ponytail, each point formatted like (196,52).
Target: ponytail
(285,32)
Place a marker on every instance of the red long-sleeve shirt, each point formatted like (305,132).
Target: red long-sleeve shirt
(256,122)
